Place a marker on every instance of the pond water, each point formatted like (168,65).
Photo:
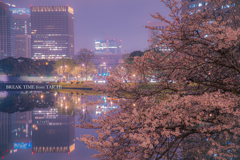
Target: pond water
(39,125)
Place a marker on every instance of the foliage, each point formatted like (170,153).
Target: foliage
(84,59)
(129,58)
(26,67)
(199,117)
(64,66)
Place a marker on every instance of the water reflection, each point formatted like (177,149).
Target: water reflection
(53,132)
(43,122)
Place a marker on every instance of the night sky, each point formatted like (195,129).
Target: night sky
(96,19)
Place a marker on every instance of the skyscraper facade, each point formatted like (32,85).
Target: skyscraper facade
(52,32)
(153,34)
(7,32)
(22,24)
(194,5)
(108,46)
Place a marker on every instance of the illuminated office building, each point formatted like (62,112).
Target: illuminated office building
(153,39)
(7,132)
(108,46)
(7,32)
(52,32)
(22,23)
(52,131)
(194,5)
(24,130)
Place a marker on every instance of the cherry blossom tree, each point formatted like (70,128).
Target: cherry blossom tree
(192,111)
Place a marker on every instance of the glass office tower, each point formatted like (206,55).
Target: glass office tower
(52,32)
(7,32)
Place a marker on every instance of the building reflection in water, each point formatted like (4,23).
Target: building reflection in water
(23,130)
(52,131)
(7,133)
(107,106)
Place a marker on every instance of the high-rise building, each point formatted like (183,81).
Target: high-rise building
(199,5)
(22,20)
(7,32)
(53,132)
(108,46)
(22,23)
(52,32)
(7,132)
(153,38)
(193,4)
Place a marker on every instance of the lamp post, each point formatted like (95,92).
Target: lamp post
(82,71)
(62,74)
(65,73)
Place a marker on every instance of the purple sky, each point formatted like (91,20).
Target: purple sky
(96,19)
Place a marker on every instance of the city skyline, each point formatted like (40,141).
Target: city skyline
(123,20)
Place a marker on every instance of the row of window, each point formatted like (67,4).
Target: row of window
(206,3)
(223,7)
(161,27)
(198,5)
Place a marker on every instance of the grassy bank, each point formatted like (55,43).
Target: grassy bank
(78,91)
(74,85)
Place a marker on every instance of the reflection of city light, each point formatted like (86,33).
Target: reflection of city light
(134,104)
(61,104)
(64,98)
(83,110)
(79,99)
(41,96)
(66,107)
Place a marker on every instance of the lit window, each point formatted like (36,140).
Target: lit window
(192,6)
(200,4)
(190,12)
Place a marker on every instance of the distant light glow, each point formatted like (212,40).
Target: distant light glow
(20,10)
